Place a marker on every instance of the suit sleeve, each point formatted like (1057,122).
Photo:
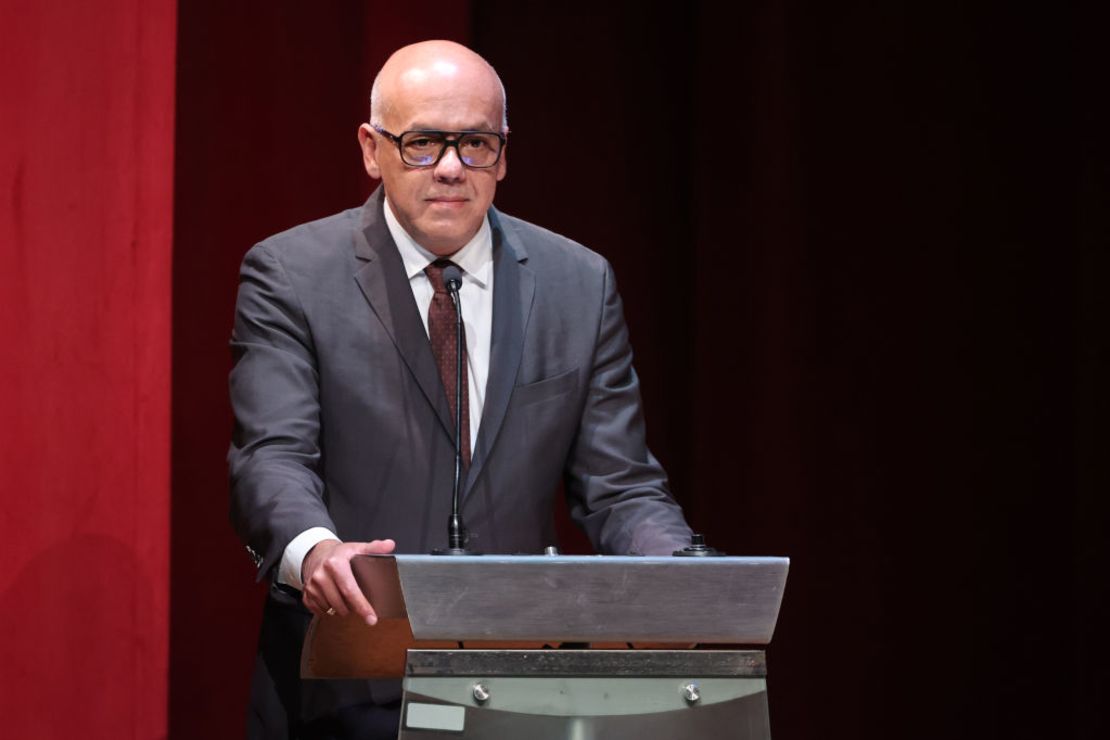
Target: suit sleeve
(616,489)
(274,460)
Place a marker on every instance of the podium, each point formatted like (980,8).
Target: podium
(556,647)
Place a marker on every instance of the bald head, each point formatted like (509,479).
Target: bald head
(443,69)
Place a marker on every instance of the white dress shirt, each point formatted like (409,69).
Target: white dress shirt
(476,298)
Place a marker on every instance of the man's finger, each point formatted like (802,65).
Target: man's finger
(352,595)
(337,568)
(331,598)
(375,547)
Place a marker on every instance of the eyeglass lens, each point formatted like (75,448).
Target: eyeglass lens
(420,148)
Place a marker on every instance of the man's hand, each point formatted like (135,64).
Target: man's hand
(329,582)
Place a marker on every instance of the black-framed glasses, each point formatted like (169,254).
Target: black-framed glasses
(424,148)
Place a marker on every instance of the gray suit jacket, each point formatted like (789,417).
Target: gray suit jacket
(342,420)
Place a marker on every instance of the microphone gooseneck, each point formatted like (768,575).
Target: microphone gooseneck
(456,530)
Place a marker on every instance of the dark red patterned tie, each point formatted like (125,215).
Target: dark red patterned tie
(441,332)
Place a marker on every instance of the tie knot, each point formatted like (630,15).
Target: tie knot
(434,272)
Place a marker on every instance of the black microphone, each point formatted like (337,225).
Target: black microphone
(456,530)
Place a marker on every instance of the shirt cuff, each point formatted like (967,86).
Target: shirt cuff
(289,572)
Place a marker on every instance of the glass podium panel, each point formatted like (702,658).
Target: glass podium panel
(585,695)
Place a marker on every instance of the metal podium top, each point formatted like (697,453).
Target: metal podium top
(732,600)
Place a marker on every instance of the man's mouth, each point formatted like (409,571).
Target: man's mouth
(447,202)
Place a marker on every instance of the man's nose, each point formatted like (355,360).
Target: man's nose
(449,166)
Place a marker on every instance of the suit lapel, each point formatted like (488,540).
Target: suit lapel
(514,287)
(381,277)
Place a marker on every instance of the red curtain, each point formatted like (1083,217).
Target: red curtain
(86,162)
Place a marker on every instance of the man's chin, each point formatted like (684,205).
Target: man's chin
(446,240)
(443,246)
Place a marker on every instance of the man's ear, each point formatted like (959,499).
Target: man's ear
(369,147)
(503,165)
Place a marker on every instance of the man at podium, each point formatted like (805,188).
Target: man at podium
(347,387)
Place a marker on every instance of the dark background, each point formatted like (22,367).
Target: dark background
(863,250)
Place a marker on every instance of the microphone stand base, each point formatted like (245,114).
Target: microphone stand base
(454,551)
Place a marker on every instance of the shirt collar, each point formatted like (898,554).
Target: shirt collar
(475,258)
